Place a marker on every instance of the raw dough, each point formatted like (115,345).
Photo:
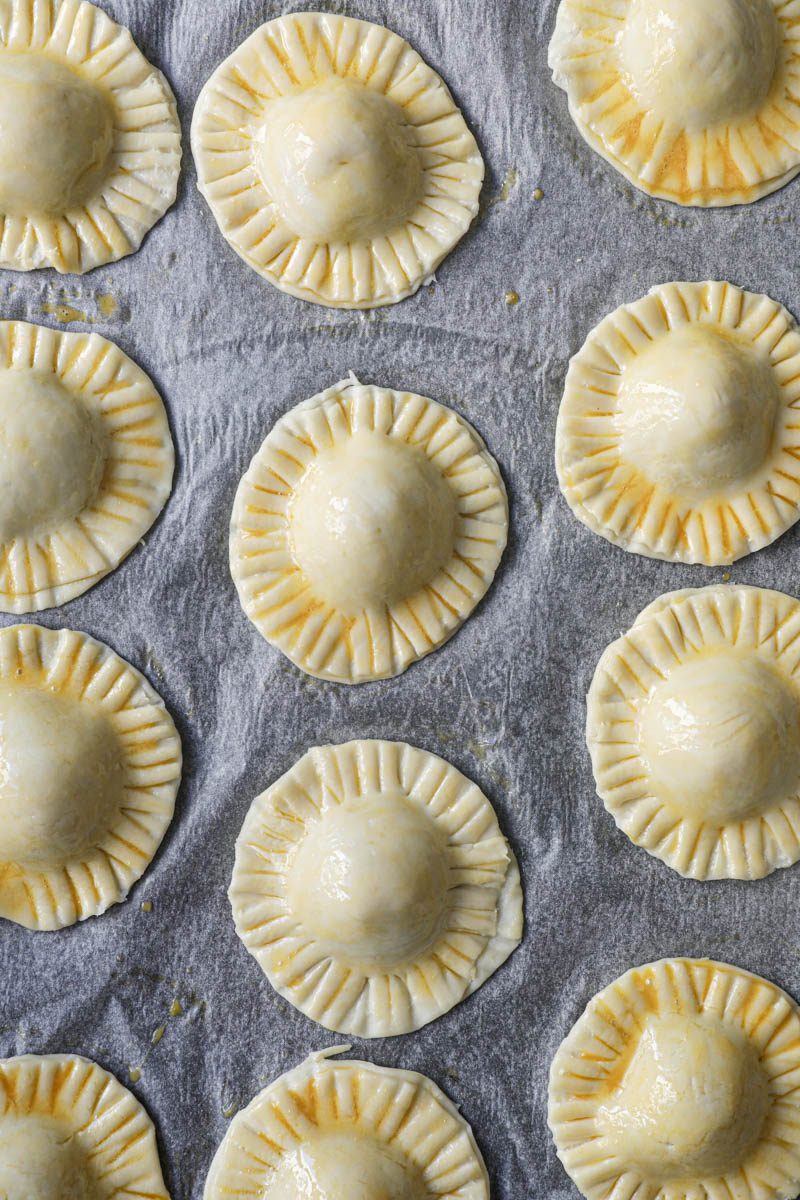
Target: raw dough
(367,528)
(90,144)
(86,463)
(348,1130)
(374,887)
(90,763)
(71,1131)
(335,161)
(698,103)
(677,436)
(680,1080)
(694,731)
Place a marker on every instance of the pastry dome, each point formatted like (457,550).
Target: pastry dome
(70,1131)
(90,145)
(90,763)
(679,1080)
(348,1131)
(676,435)
(86,463)
(694,730)
(694,103)
(335,161)
(365,531)
(374,887)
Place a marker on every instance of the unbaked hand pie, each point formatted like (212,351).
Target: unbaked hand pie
(679,431)
(86,462)
(90,763)
(680,1082)
(348,1130)
(694,102)
(374,887)
(90,145)
(70,1131)
(335,161)
(367,528)
(694,731)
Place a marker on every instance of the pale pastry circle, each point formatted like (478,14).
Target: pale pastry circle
(677,436)
(374,887)
(693,103)
(335,161)
(86,462)
(70,1131)
(90,144)
(365,531)
(694,731)
(90,763)
(680,1080)
(348,1129)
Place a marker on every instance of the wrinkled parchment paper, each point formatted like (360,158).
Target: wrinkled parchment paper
(504,700)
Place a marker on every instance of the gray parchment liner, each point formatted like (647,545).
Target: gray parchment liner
(504,700)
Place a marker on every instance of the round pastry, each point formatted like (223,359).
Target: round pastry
(70,1131)
(86,463)
(367,528)
(90,144)
(335,161)
(374,887)
(680,1080)
(694,103)
(352,1130)
(677,436)
(694,731)
(90,763)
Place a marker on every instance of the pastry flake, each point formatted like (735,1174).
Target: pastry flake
(694,103)
(69,1129)
(348,1129)
(694,731)
(365,531)
(86,462)
(374,887)
(90,144)
(91,763)
(677,436)
(680,1080)
(335,161)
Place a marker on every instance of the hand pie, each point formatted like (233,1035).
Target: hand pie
(680,1082)
(90,763)
(90,145)
(367,528)
(352,1130)
(694,102)
(678,432)
(71,1131)
(335,161)
(694,731)
(86,463)
(374,887)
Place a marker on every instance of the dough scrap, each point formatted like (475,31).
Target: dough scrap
(349,1129)
(91,763)
(90,150)
(374,887)
(365,531)
(335,161)
(694,103)
(681,1080)
(69,1129)
(86,463)
(694,731)
(677,436)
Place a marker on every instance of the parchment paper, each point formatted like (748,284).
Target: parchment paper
(504,700)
